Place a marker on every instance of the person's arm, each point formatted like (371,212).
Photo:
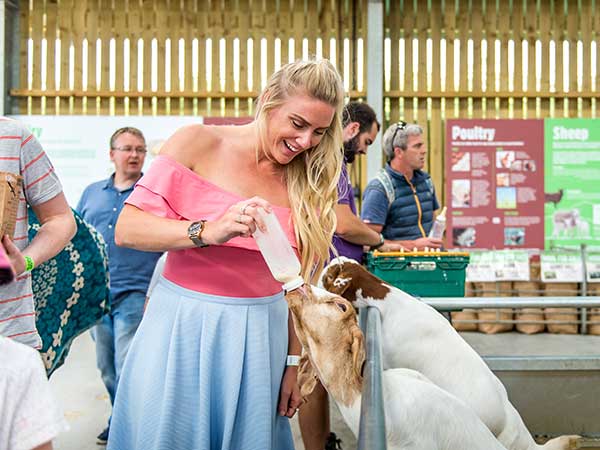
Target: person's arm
(289,392)
(57,227)
(408,244)
(144,231)
(352,229)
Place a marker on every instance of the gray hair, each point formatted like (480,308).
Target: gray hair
(399,133)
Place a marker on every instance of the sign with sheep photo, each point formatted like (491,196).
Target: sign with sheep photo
(572,191)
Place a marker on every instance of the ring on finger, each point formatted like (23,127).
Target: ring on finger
(239,219)
(243,210)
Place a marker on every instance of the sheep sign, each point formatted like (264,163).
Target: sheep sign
(572,191)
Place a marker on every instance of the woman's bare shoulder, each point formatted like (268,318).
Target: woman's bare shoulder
(191,143)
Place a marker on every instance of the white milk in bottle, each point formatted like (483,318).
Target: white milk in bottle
(278,253)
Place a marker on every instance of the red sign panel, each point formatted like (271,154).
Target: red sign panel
(495,183)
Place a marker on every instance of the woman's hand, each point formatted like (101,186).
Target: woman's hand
(16,258)
(289,393)
(241,219)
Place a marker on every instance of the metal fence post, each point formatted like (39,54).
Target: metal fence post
(371,433)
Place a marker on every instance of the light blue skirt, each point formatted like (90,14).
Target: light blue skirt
(203,373)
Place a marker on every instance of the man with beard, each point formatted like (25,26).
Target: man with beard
(351,236)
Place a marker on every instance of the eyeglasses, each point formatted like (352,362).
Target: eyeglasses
(400,126)
(128,149)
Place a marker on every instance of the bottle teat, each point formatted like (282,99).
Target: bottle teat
(293,284)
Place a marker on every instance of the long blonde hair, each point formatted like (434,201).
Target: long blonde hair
(311,177)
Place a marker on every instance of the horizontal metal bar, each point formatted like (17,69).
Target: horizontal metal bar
(458,303)
(541,363)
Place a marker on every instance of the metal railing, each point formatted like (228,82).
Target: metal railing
(371,433)
(459,303)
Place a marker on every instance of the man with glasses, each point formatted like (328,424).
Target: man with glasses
(400,202)
(130,270)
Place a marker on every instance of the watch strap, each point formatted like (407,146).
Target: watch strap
(292,360)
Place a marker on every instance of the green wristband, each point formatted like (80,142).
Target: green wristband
(29,264)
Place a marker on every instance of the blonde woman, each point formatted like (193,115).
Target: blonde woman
(207,368)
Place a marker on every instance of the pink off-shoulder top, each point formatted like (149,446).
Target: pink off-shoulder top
(233,269)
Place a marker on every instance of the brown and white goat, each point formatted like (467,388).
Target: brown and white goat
(415,336)
(418,414)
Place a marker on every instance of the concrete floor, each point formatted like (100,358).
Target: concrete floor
(78,386)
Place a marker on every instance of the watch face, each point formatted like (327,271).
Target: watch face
(195,229)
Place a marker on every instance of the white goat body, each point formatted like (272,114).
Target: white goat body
(416,336)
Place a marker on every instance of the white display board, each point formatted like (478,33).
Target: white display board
(561,267)
(78,146)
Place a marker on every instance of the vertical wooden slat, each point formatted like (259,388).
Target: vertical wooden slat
(586,40)
(144,103)
(311,21)
(545,36)
(283,26)
(408,26)
(134,25)
(202,34)
(393,33)
(91,34)
(243,26)
(517,26)
(435,124)
(119,28)
(462,23)
(477,36)
(106,17)
(558,35)
(503,13)
(65,31)
(178,14)
(51,35)
(450,34)
(25,20)
(188,13)
(230,31)
(596,34)
(298,26)
(572,36)
(163,29)
(532,35)
(36,35)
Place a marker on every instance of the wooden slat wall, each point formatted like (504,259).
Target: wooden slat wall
(409,93)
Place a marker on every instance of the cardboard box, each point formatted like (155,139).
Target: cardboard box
(10,191)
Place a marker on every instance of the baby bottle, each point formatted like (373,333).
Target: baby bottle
(278,253)
(437,230)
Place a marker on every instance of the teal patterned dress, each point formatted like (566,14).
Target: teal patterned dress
(70,291)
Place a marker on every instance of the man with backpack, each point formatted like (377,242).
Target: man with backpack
(400,202)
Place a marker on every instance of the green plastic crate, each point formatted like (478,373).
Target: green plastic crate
(423,274)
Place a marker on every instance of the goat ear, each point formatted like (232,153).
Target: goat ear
(307,377)
(358,351)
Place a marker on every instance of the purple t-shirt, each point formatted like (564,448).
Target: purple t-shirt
(346,197)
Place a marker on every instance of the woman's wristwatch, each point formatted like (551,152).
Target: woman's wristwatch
(379,244)
(194,232)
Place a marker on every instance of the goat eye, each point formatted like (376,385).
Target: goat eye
(341,306)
